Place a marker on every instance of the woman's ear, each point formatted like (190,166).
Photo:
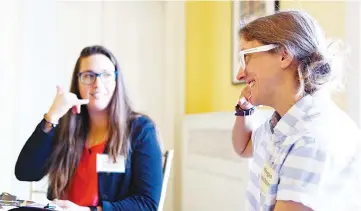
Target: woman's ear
(286,58)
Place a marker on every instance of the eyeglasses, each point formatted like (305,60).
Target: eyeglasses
(89,77)
(242,62)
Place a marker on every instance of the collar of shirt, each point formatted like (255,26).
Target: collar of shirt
(298,116)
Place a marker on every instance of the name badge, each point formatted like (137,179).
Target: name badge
(266,178)
(107,164)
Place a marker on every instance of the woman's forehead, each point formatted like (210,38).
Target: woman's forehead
(96,62)
(246,44)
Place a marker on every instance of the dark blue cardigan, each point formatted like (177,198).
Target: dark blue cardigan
(139,188)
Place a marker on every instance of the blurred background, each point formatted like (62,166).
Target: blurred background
(178,60)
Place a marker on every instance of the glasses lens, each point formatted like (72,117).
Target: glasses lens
(242,61)
(107,76)
(87,78)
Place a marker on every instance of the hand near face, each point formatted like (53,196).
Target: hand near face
(245,98)
(64,101)
(99,86)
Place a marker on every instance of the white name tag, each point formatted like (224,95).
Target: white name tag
(266,178)
(106,164)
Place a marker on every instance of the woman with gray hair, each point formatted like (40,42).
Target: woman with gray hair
(306,157)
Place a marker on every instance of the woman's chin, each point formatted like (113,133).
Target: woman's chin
(252,101)
(97,106)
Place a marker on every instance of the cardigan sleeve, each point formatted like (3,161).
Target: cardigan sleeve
(31,162)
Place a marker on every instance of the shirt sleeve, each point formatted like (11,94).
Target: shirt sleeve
(301,174)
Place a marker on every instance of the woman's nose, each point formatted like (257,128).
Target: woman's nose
(241,74)
(98,82)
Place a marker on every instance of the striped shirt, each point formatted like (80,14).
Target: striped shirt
(310,157)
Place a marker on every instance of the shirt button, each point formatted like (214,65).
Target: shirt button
(105,197)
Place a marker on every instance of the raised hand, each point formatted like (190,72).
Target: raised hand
(245,98)
(64,101)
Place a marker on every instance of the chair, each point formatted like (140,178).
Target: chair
(167,164)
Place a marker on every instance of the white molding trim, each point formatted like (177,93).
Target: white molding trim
(173,95)
(353,28)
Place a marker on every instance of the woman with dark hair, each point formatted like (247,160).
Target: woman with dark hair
(98,152)
(307,156)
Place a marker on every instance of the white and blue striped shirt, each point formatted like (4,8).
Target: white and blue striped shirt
(311,157)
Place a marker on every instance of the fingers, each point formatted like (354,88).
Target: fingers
(246,92)
(244,100)
(83,101)
(70,100)
(76,102)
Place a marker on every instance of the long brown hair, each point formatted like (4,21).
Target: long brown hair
(302,36)
(73,129)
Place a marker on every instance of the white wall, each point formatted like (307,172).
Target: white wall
(41,41)
(8,49)
(26,59)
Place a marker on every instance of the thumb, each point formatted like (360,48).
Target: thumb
(245,103)
(242,101)
(59,89)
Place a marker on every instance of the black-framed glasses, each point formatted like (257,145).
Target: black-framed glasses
(89,77)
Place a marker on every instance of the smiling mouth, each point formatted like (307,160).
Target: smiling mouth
(96,94)
(251,84)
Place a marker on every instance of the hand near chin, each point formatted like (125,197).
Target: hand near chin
(245,98)
(64,101)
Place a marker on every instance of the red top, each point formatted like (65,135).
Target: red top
(83,190)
